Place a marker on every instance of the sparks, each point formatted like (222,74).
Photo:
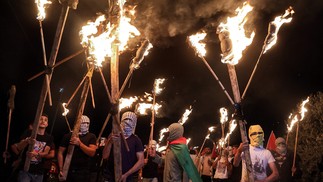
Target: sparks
(274,27)
(234,33)
(195,42)
(42,5)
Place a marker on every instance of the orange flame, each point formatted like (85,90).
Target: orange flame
(295,118)
(224,115)
(124,102)
(274,27)
(99,46)
(65,109)
(42,5)
(234,29)
(157,83)
(162,133)
(185,116)
(195,42)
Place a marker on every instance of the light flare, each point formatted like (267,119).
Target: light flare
(274,27)
(41,6)
(197,44)
(234,29)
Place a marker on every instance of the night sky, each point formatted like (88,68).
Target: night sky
(286,75)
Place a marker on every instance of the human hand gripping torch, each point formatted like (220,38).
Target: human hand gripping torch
(298,117)
(233,41)
(210,130)
(11,106)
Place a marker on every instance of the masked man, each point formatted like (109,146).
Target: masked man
(85,147)
(260,157)
(177,160)
(284,162)
(132,160)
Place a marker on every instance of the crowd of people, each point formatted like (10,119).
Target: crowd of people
(80,158)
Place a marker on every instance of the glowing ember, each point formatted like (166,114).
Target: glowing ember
(224,115)
(65,109)
(157,83)
(126,103)
(185,116)
(195,42)
(295,118)
(274,27)
(42,5)
(233,30)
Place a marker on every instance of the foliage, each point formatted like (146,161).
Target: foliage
(310,139)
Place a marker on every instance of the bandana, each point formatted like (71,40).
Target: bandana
(128,123)
(256,136)
(85,125)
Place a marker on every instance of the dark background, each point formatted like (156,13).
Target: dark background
(286,75)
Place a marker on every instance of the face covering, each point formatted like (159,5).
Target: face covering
(256,136)
(127,127)
(85,125)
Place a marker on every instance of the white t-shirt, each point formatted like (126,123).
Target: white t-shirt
(260,158)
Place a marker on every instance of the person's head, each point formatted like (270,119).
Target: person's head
(224,155)
(206,151)
(176,131)
(128,123)
(85,125)
(256,136)
(281,146)
(152,147)
(43,121)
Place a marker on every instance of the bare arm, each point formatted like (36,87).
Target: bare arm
(237,156)
(274,175)
(138,165)
(60,159)
(107,148)
(88,150)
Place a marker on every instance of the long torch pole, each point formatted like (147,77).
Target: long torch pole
(242,126)
(295,146)
(42,100)
(77,123)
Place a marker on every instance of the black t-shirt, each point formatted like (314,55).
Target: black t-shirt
(80,160)
(128,158)
(150,170)
(37,164)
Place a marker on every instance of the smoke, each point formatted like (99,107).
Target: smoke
(160,20)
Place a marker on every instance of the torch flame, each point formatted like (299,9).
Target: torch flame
(65,109)
(157,83)
(234,29)
(42,5)
(142,108)
(195,42)
(185,116)
(232,126)
(274,27)
(162,133)
(224,115)
(211,129)
(99,46)
(301,113)
(124,102)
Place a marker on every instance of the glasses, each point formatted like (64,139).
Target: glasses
(256,133)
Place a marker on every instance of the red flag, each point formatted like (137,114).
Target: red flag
(271,142)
